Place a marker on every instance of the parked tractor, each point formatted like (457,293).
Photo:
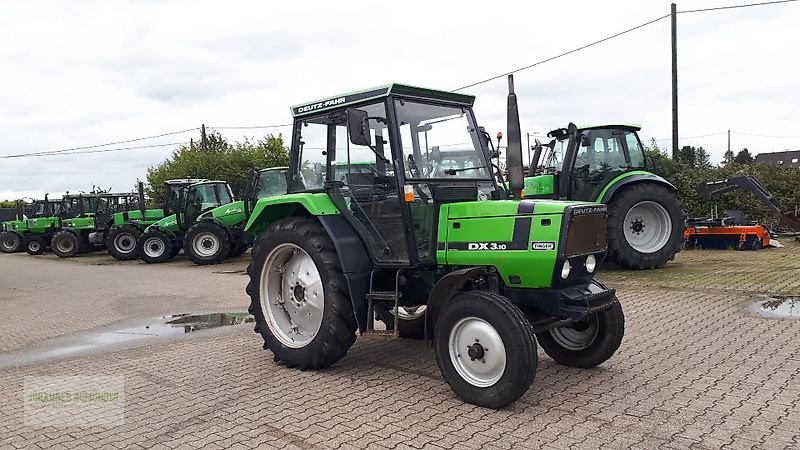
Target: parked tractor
(24,232)
(209,224)
(128,226)
(607,164)
(442,249)
(90,219)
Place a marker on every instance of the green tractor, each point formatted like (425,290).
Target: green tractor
(440,246)
(88,219)
(22,233)
(128,226)
(210,223)
(607,164)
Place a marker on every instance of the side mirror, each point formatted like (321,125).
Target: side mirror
(358,127)
(585,142)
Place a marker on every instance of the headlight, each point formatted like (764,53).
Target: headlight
(591,263)
(565,270)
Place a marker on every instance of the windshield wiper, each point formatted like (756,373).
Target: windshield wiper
(455,171)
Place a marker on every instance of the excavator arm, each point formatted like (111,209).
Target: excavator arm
(713,189)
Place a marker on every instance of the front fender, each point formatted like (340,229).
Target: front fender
(448,287)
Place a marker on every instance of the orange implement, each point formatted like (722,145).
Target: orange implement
(741,237)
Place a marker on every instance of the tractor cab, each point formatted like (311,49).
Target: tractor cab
(173,189)
(198,198)
(579,162)
(265,183)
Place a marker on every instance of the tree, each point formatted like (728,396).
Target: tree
(743,157)
(727,159)
(701,158)
(220,160)
(688,155)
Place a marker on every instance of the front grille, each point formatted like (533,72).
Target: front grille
(587,233)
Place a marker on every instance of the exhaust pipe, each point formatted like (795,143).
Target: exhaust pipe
(140,187)
(514,151)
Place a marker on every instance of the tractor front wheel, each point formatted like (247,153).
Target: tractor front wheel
(121,242)
(206,243)
(35,245)
(65,244)
(645,226)
(155,246)
(587,343)
(485,349)
(10,242)
(299,295)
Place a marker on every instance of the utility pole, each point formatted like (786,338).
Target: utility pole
(674,81)
(203,137)
(191,143)
(729,140)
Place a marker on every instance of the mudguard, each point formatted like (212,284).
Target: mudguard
(626,179)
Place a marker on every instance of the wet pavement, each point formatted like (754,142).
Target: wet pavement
(778,307)
(698,367)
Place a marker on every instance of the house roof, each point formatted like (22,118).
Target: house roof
(790,158)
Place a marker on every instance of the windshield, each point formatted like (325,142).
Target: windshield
(271,183)
(440,142)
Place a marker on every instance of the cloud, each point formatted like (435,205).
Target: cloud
(88,72)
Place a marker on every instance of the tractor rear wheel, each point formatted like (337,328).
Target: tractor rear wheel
(155,246)
(35,245)
(485,349)
(206,243)
(10,242)
(65,244)
(121,242)
(645,226)
(238,248)
(299,295)
(587,343)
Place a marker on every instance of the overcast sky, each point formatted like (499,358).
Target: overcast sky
(89,72)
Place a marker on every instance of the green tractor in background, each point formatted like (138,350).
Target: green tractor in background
(607,164)
(23,233)
(128,226)
(209,224)
(486,276)
(89,218)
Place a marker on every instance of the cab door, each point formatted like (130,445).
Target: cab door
(599,158)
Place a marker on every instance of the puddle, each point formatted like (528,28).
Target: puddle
(132,334)
(238,271)
(777,307)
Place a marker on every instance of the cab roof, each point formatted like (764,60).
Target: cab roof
(358,97)
(624,126)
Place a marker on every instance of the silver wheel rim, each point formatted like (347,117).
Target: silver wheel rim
(34,246)
(205,244)
(124,243)
(65,245)
(647,227)
(154,247)
(578,337)
(488,368)
(292,295)
(9,243)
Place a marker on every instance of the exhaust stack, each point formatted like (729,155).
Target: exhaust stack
(140,188)
(514,150)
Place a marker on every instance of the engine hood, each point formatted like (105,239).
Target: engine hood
(505,208)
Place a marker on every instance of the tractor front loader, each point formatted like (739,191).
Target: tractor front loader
(714,189)
(129,225)
(607,164)
(432,238)
(209,224)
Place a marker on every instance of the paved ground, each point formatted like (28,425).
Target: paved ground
(696,369)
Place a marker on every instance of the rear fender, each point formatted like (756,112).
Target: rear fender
(643,177)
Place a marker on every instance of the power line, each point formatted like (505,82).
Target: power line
(83,152)
(694,137)
(563,54)
(66,150)
(254,127)
(747,5)
(765,135)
